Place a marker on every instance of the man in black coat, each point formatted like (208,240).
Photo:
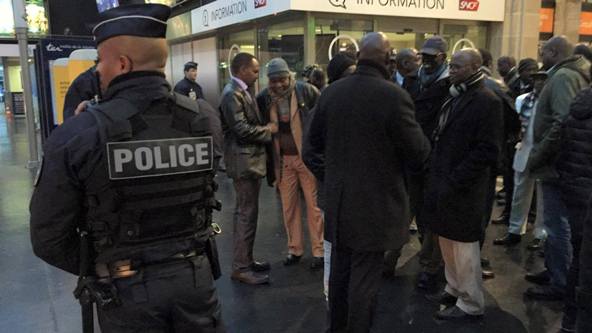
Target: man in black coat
(434,83)
(365,120)
(575,170)
(188,86)
(466,146)
(85,87)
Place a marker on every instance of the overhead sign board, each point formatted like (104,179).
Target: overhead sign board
(223,13)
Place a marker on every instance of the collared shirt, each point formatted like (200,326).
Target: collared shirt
(400,78)
(241,83)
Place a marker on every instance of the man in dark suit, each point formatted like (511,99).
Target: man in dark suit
(466,147)
(245,139)
(406,74)
(363,120)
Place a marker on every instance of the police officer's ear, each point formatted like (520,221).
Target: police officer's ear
(126,64)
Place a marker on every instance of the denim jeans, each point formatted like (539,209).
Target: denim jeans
(524,187)
(558,249)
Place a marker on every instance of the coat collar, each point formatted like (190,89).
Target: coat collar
(459,106)
(138,83)
(371,68)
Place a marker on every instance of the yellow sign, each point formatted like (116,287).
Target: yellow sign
(60,81)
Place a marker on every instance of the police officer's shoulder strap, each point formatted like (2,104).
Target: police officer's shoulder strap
(113,118)
(184,102)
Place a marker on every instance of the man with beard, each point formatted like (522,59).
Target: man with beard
(365,120)
(466,146)
(433,91)
(287,103)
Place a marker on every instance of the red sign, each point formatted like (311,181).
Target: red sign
(468,5)
(260,3)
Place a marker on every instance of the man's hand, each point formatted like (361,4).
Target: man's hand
(273,127)
(81,107)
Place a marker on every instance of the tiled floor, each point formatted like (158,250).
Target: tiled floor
(35,297)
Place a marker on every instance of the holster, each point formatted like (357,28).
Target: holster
(212,253)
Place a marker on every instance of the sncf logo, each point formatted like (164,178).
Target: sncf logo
(260,3)
(469,5)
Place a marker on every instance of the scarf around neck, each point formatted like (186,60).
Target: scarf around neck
(426,79)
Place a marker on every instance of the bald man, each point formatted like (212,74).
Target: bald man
(364,120)
(466,147)
(567,75)
(124,196)
(408,62)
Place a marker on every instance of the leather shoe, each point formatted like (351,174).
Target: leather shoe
(443,298)
(487,273)
(544,293)
(535,244)
(426,281)
(317,262)
(508,239)
(485,262)
(541,278)
(260,266)
(503,219)
(455,313)
(250,277)
(291,259)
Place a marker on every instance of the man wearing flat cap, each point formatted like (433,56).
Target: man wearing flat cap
(189,86)
(124,196)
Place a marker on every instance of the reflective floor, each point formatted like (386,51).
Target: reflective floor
(35,297)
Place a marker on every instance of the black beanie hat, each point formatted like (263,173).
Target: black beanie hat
(340,62)
(527,64)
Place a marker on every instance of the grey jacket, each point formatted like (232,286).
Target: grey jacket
(245,134)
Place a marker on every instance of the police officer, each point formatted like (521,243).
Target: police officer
(127,184)
(188,86)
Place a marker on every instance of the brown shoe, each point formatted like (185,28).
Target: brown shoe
(250,277)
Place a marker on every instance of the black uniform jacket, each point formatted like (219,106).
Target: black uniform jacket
(365,127)
(185,86)
(70,155)
(460,166)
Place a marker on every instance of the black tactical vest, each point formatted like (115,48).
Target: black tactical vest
(147,195)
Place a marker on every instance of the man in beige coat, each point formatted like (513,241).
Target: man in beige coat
(287,103)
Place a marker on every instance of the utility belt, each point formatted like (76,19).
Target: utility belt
(127,268)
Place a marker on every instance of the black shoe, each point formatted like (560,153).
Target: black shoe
(260,266)
(502,219)
(501,194)
(541,278)
(545,293)
(291,259)
(443,298)
(487,274)
(455,313)
(426,281)
(535,244)
(508,239)
(317,262)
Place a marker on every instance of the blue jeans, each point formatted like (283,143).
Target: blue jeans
(558,249)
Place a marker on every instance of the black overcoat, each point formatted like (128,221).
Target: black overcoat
(460,165)
(365,127)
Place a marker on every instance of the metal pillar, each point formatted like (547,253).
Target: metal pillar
(20,28)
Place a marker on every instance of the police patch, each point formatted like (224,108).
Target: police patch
(152,158)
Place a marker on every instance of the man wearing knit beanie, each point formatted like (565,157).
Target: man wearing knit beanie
(342,64)
(287,103)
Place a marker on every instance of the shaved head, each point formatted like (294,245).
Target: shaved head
(124,54)
(556,50)
(463,64)
(375,47)
(407,61)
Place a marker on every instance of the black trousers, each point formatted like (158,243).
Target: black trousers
(577,216)
(584,294)
(355,280)
(508,174)
(178,296)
